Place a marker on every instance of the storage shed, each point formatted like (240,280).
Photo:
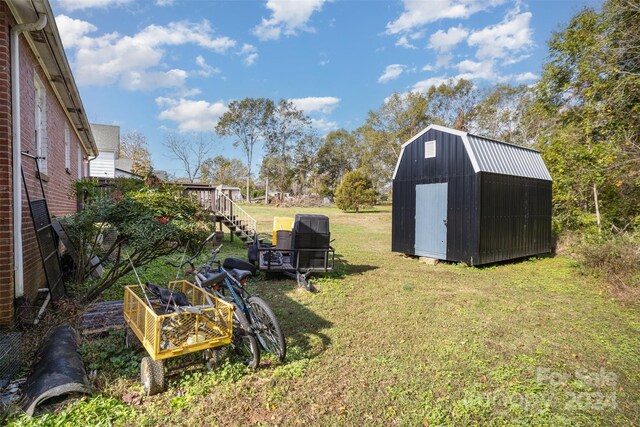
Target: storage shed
(463,197)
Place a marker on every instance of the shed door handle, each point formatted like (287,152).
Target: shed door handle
(445,222)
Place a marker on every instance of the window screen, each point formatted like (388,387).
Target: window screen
(67,148)
(41,124)
(429,149)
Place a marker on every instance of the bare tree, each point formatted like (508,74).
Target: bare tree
(133,145)
(190,151)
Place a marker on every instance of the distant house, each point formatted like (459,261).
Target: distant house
(123,169)
(234,193)
(41,114)
(161,175)
(280,195)
(108,163)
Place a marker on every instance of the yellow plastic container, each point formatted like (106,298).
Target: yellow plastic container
(175,334)
(281,223)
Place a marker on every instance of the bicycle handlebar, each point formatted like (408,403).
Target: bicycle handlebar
(189,261)
(198,252)
(216,251)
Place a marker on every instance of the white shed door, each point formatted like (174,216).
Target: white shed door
(431,220)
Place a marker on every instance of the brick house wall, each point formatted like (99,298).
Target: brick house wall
(6,225)
(59,180)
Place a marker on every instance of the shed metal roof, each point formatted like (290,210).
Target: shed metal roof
(507,159)
(490,155)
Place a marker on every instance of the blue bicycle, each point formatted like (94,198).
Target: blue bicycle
(253,315)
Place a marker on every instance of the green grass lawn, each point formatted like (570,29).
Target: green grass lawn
(390,341)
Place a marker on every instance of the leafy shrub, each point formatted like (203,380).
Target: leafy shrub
(138,221)
(355,192)
(616,258)
(109,355)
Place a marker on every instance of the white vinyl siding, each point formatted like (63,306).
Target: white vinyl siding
(41,124)
(104,165)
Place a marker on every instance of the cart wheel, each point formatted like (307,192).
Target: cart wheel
(152,375)
(131,340)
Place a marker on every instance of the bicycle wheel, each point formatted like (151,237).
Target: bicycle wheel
(267,328)
(245,345)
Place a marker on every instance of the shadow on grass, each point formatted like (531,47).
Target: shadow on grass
(343,268)
(364,211)
(515,261)
(302,326)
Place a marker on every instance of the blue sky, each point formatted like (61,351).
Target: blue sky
(173,65)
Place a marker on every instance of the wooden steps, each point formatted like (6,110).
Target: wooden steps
(236,227)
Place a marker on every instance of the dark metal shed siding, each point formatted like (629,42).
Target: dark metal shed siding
(451,165)
(515,217)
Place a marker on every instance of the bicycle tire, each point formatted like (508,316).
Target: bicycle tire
(267,328)
(244,343)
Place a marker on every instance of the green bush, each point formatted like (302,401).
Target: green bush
(141,222)
(355,192)
(616,258)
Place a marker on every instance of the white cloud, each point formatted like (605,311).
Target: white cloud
(287,17)
(404,42)
(324,126)
(443,61)
(250,53)
(182,32)
(469,66)
(205,70)
(72,30)
(443,41)
(163,3)
(474,70)
(526,77)
(191,115)
(512,35)
(114,58)
(153,80)
(186,93)
(424,85)
(72,5)
(391,72)
(515,59)
(323,104)
(420,12)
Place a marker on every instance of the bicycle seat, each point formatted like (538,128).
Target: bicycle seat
(166,295)
(241,274)
(213,278)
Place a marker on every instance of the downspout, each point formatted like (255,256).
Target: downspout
(17,145)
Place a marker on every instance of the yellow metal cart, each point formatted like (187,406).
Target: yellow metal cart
(205,324)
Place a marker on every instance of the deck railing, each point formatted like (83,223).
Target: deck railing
(235,214)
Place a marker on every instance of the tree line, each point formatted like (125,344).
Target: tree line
(583,115)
